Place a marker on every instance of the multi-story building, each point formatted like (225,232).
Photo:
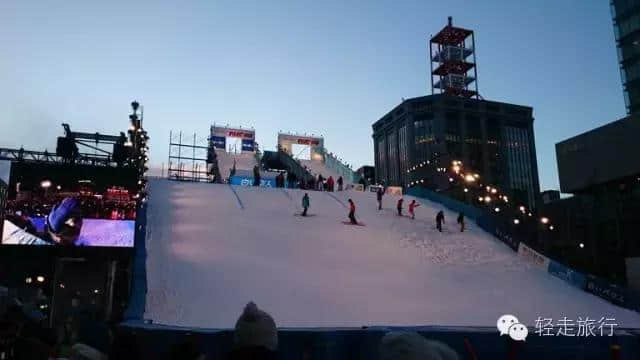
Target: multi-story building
(494,139)
(367,173)
(597,227)
(626,27)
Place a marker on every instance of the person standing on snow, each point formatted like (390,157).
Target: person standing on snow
(439,220)
(379,194)
(399,206)
(330,183)
(461,221)
(256,176)
(352,212)
(412,207)
(340,181)
(320,182)
(305,204)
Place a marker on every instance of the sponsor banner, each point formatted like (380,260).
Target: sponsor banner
(533,256)
(613,293)
(374,188)
(219,142)
(248,181)
(231,132)
(394,190)
(569,275)
(248,145)
(358,187)
(301,140)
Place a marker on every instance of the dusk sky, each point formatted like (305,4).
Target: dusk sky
(324,67)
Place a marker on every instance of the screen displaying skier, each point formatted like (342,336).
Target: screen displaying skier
(61,208)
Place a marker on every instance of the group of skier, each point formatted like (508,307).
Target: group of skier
(439,216)
(329,183)
(399,207)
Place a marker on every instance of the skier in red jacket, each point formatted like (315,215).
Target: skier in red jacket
(352,212)
(412,207)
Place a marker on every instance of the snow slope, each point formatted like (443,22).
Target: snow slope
(210,252)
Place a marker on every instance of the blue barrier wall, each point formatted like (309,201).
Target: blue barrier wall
(363,343)
(571,276)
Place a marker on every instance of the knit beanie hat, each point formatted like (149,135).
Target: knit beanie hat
(399,345)
(255,328)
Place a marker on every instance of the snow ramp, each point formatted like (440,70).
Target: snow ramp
(207,256)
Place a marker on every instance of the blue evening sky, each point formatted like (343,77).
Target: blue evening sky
(328,67)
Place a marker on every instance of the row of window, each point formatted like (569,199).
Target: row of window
(627,26)
(630,73)
(619,7)
(403,148)
(518,153)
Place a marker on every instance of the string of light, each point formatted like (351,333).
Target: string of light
(139,149)
(492,197)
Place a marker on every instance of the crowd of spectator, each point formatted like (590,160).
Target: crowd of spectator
(84,336)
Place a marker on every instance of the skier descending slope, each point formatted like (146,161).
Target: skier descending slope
(379,197)
(352,212)
(412,205)
(400,206)
(439,220)
(305,204)
(461,221)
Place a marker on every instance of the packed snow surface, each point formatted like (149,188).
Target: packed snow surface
(244,161)
(210,251)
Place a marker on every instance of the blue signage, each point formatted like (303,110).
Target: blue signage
(248,145)
(573,277)
(219,142)
(248,181)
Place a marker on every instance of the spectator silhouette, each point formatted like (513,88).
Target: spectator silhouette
(255,336)
(400,345)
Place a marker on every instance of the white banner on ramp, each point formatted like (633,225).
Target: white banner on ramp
(533,256)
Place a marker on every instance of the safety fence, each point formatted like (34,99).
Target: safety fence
(522,244)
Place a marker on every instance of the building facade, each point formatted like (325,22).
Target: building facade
(493,139)
(598,225)
(626,27)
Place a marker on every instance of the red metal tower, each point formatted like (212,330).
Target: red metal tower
(452,53)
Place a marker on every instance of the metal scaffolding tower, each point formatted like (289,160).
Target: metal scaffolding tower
(189,161)
(452,55)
